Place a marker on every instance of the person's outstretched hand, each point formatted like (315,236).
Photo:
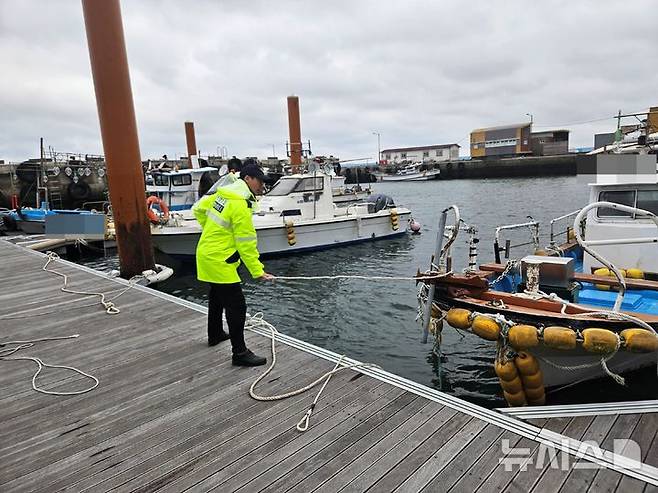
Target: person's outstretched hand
(266,277)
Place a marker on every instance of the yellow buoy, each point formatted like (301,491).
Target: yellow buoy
(512,386)
(602,271)
(559,338)
(290,233)
(533,381)
(600,341)
(523,336)
(639,340)
(534,394)
(515,400)
(542,253)
(506,371)
(526,363)
(486,328)
(635,274)
(459,318)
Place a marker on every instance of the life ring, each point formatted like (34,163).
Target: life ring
(162,205)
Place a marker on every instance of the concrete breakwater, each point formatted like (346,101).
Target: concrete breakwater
(509,167)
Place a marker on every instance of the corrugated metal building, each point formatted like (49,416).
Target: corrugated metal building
(439,152)
(506,140)
(550,142)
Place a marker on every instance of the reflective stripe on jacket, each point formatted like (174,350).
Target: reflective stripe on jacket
(228,236)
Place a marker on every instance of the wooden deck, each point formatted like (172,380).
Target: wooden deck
(171,414)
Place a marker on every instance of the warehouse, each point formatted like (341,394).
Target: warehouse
(506,140)
(550,142)
(439,152)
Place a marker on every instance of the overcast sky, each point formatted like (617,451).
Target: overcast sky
(417,72)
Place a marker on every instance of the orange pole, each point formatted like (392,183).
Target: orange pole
(191,141)
(116,113)
(295,133)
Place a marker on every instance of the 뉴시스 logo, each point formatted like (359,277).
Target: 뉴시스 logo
(627,453)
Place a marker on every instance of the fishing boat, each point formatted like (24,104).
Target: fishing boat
(298,214)
(180,189)
(572,311)
(411,172)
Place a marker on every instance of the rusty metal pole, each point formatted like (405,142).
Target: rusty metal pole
(295,133)
(125,178)
(191,142)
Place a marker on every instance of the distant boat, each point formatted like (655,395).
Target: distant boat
(410,173)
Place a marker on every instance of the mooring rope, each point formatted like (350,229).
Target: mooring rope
(257,321)
(6,355)
(432,277)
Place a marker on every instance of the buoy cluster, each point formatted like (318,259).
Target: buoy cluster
(290,233)
(395,220)
(628,273)
(522,337)
(522,380)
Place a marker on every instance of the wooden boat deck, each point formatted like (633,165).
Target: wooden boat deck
(171,414)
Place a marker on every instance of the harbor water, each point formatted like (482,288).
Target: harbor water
(374,321)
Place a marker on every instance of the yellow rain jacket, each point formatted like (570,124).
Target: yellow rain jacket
(228,236)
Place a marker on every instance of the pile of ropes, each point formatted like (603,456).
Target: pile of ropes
(8,349)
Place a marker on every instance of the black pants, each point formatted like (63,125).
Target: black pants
(227,297)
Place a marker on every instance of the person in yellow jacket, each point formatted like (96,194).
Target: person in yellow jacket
(228,240)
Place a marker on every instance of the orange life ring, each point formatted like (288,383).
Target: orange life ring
(164,209)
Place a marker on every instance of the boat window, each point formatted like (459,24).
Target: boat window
(283,187)
(624,197)
(648,200)
(309,184)
(180,180)
(161,180)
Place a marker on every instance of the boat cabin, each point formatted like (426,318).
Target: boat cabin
(181,189)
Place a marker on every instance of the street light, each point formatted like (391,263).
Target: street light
(379,153)
(530,115)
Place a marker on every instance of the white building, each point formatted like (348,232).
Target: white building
(441,152)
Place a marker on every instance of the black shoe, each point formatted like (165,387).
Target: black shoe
(213,341)
(247,358)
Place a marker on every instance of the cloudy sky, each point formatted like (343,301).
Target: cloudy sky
(417,72)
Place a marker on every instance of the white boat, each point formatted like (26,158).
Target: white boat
(299,214)
(410,173)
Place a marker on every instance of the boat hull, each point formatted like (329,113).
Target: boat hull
(273,240)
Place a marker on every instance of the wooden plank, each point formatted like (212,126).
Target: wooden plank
(645,433)
(178,459)
(174,426)
(583,474)
(464,460)
(350,447)
(545,463)
(266,470)
(374,424)
(336,474)
(438,460)
(61,442)
(269,436)
(446,417)
(501,475)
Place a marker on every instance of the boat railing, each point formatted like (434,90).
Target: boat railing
(586,245)
(534,231)
(567,231)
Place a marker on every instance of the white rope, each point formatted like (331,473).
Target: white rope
(110,307)
(5,355)
(367,278)
(257,321)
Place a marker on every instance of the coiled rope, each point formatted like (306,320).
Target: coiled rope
(6,352)
(257,321)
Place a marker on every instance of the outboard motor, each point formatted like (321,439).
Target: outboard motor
(379,201)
